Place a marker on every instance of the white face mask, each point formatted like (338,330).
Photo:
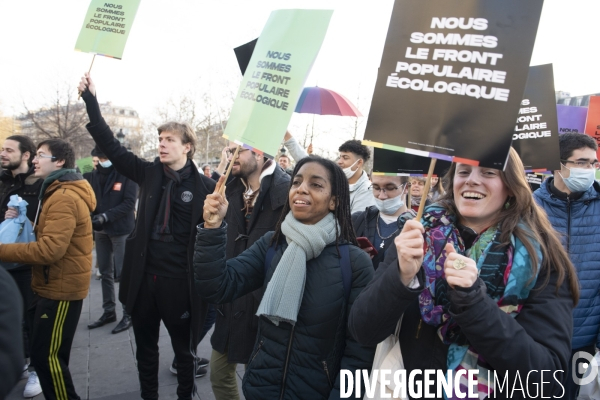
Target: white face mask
(105,164)
(390,206)
(348,171)
(580,179)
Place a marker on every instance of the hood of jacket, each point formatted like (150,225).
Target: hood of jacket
(75,182)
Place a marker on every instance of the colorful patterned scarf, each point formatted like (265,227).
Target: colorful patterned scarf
(506,273)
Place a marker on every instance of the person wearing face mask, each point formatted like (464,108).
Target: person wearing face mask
(572,201)
(112,220)
(353,156)
(378,223)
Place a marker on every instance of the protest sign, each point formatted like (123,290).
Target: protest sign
(452,77)
(243,54)
(106,27)
(389,162)
(273,81)
(85,164)
(571,119)
(592,123)
(534,180)
(536,132)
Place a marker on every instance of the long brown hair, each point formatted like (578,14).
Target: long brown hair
(522,209)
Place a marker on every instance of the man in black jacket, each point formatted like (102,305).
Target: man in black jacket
(112,220)
(17,178)
(156,283)
(256,197)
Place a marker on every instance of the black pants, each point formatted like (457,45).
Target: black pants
(22,277)
(165,299)
(53,324)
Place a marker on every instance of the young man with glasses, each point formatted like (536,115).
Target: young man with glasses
(572,201)
(256,194)
(62,264)
(157,278)
(378,223)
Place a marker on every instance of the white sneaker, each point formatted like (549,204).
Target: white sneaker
(33,387)
(25,373)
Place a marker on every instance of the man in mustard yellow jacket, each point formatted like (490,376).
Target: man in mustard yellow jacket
(62,264)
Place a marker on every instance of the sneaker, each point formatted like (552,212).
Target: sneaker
(33,387)
(200,371)
(25,373)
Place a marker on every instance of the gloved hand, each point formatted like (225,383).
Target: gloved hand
(98,222)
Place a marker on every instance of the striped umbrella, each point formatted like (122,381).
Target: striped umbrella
(316,100)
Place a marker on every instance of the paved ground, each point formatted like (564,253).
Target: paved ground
(103,365)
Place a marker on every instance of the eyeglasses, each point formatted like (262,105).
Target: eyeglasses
(584,163)
(38,156)
(231,152)
(387,189)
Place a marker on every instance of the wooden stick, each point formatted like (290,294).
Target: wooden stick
(426,190)
(237,150)
(89,70)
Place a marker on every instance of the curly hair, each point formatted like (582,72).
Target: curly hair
(356,147)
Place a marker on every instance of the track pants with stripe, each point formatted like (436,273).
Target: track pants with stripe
(53,324)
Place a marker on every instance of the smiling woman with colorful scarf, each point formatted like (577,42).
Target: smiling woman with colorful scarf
(481,283)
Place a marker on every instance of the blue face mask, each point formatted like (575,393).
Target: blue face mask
(105,164)
(580,179)
(390,206)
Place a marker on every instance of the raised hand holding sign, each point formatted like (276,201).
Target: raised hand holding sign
(215,206)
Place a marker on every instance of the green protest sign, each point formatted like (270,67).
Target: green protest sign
(85,164)
(106,27)
(273,81)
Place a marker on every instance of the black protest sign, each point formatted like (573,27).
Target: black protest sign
(389,162)
(452,77)
(535,181)
(536,133)
(243,54)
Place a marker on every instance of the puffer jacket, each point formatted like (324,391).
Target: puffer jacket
(290,362)
(578,222)
(62,254)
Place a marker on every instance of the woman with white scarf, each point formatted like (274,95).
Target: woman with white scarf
(310,270)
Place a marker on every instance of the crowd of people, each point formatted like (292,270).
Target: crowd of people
(303,266)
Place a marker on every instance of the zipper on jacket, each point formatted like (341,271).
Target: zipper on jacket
(568,224)
(419,328)
(327,373)
(257,351)
(46,274)
(287,360)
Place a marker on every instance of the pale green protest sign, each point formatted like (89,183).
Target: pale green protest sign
(106,27)
(273,81)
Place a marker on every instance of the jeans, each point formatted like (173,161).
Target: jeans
(109,252)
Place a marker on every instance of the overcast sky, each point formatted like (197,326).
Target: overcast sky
(185,46)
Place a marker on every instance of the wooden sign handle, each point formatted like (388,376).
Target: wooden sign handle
(237,151)
(89,70)
(426,190)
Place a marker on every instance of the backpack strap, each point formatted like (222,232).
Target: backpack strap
(346,269)
(269,256)
(344,264)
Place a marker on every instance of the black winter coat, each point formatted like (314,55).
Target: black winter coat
(365,225)
(237,324)
(290,362)
(149,176)
(117,200)
(25,185)
(11,334)
(28,187)
(539,338)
